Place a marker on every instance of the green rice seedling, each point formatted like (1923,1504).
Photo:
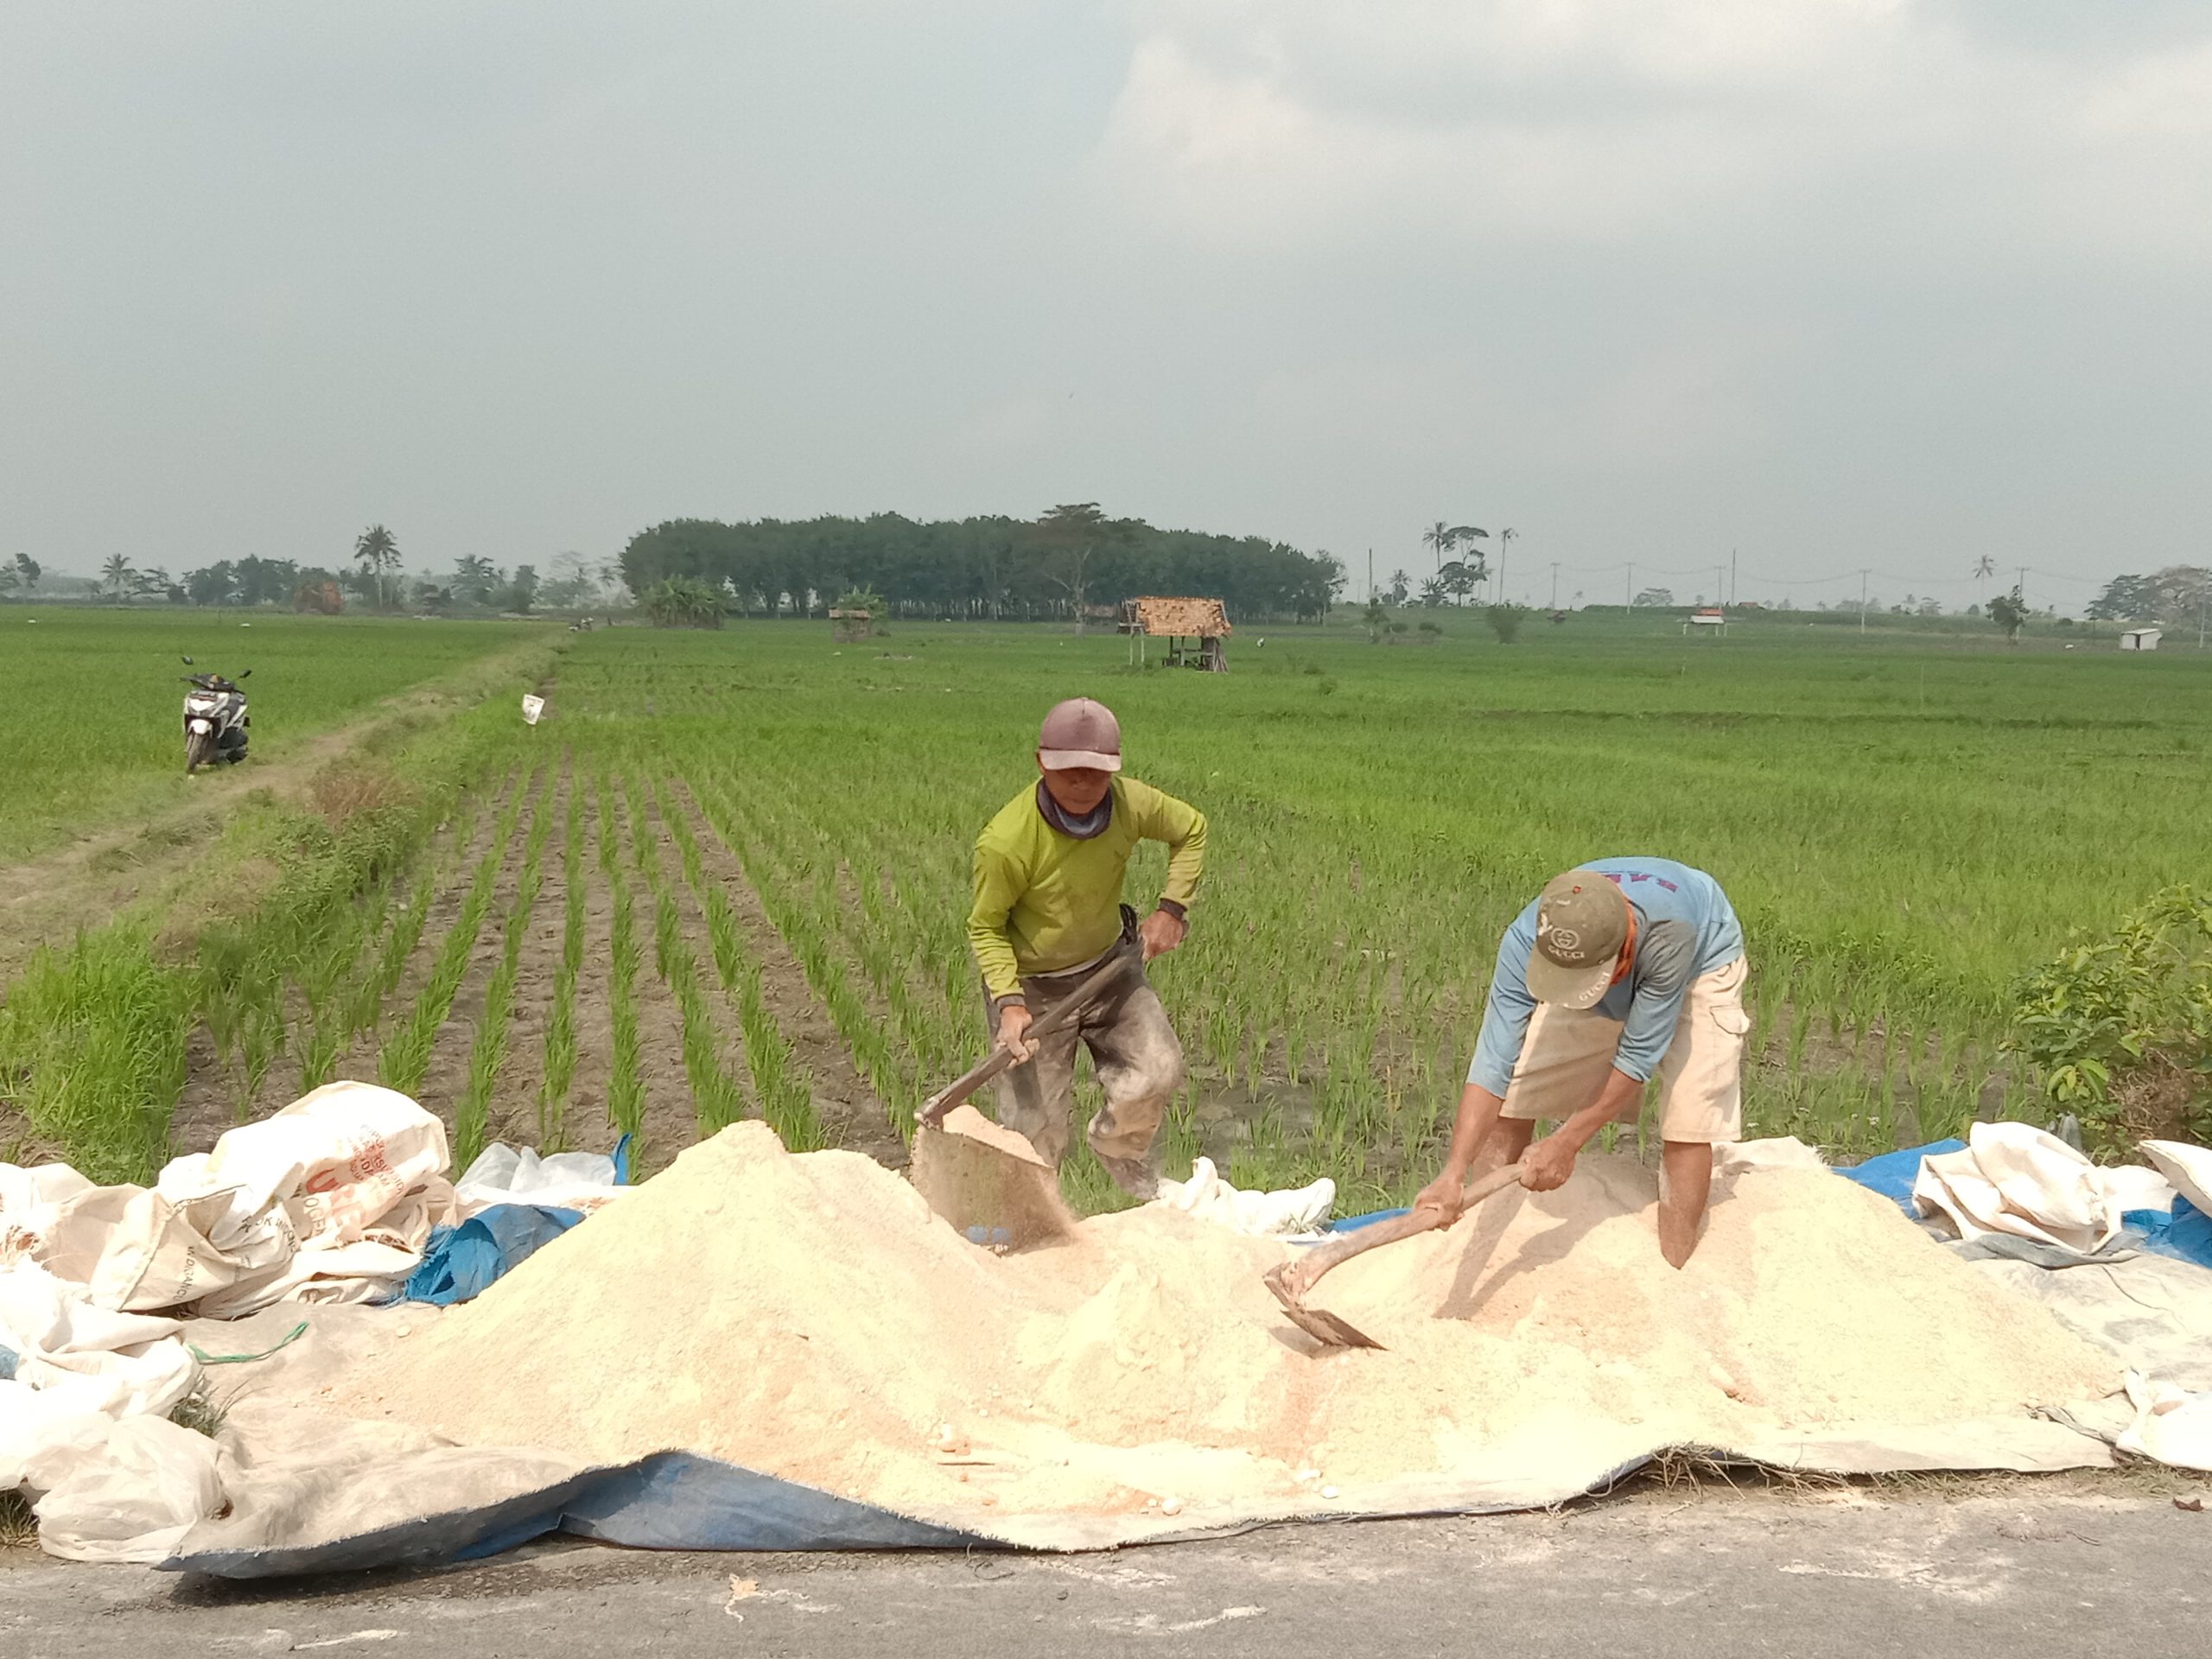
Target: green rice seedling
(92,1052)
(487,1053)
(405,1056)
(560,1068)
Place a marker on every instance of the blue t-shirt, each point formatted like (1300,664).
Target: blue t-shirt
(1685,929)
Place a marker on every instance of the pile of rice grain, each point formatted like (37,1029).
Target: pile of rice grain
(807,1316)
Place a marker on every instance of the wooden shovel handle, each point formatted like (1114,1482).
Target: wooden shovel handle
(1309,1268)
(998,1060)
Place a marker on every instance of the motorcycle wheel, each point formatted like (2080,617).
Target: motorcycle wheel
(199,751)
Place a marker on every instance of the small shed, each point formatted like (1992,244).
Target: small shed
(2141,639)
(850,627)
(1195,630)
(1711,617)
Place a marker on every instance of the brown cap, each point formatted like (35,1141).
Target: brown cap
(1080,732)
(1581,923)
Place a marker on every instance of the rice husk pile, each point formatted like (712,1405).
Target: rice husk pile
(808,1317)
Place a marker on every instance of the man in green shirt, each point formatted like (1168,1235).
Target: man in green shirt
(1048,912)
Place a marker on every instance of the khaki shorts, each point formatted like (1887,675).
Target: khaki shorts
(1568,1053)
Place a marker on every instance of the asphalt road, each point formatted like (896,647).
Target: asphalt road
(1701,1572)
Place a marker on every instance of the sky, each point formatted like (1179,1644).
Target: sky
(1817,285)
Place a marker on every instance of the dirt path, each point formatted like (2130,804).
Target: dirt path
(53,897)
(842,1098)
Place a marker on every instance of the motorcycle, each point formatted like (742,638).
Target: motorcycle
(215,721)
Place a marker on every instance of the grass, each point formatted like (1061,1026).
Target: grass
(103,685)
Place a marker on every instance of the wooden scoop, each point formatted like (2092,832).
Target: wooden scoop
(1291,1280)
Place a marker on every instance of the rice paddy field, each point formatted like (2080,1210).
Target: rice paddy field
(96,694)
(727,876)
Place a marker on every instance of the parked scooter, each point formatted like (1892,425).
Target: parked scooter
(215,721)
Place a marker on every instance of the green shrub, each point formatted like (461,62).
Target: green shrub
(2121,1027)
(1505,621)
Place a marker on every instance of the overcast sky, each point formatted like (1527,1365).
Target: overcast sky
(1829,282)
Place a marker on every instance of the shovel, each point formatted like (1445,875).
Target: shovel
(1291,1280)
(984,1179)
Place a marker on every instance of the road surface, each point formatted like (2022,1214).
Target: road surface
(1698,1571)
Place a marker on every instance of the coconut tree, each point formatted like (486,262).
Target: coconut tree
(118,577)
(379,552)
(1440,539)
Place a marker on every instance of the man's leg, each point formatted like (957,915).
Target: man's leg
(1139,1060)
(1685,1186)
(1032,1099)
(1701,1103)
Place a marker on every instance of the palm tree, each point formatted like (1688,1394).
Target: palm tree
(1984,568)
(118,575)
(1443,537)
(377,550)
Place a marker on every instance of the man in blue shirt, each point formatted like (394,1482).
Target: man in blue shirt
(1622,970)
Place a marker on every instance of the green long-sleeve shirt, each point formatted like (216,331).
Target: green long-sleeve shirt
(1045,901)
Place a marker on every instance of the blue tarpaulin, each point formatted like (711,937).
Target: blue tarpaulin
(670,1500)
(461,1262)
(1892,1174)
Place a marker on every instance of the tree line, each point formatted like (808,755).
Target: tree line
(2178,593)
(1070,561)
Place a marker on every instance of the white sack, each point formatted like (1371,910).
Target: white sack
(565,1181)
(1208,1198)
(339,1159)
(28,1200)
(90,1358)
(2014,1179)
(131,1497)
(2172,1424)
(2189,1169)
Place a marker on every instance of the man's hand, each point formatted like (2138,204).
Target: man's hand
(1161,932)
(1442,1194)
(1548,1163)
(1014,1031)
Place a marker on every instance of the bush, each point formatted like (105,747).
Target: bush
(859,599)
(2121,1027)
(1505,621)
(681,602)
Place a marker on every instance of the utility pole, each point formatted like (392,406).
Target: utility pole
(1863,575)
(1370,575)
(1554,584)
(1719,587)
(1732,576)
(1630,595)
(1504,536)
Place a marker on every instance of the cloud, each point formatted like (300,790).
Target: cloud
(1604,122)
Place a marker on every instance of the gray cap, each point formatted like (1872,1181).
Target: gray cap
(1080,732)
(1582,920)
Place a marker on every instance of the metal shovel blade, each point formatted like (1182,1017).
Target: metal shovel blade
(1330,1330)
(989,1183)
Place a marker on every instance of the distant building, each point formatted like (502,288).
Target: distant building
(2141,639)
(1712,616)
(1201,622)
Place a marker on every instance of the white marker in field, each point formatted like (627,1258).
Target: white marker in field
(531,709)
